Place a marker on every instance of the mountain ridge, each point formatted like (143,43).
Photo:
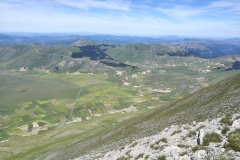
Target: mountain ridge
(213,47)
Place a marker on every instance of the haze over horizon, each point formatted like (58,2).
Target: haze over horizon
(213,18)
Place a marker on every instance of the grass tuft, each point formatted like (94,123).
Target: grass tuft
(234,141)
(175,132)
(134,144)
(161,140)
(139,156)
(211,137)
(122,158)
(162,158)
(184,153)
(227,120)
(225,130)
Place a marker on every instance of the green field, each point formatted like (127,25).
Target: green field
(36,97)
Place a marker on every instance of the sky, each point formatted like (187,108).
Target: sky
(204,18)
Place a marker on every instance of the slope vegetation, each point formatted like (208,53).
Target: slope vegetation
(208,103)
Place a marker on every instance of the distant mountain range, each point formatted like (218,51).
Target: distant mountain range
(89,56)
(171,45)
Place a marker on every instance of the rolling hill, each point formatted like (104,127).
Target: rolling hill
(95,57)
(204,48)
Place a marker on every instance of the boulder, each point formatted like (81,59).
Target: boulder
(201,136)
(200,154)
(236,124)
(185,158)
(171,151)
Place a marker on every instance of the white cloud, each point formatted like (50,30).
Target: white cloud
(52,16)
(181,12)
(108,4)
(221,4)
(214,8)
(223,7)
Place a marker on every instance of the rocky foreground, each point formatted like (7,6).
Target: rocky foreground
(215,139)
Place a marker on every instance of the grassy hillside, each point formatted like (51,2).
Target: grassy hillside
(142,53)
(58,58)
(34,56)
(215,100)
(100,58)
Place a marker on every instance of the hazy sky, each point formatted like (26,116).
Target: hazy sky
(136,17)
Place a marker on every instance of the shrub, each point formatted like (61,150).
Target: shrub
(41,123)
(30,127)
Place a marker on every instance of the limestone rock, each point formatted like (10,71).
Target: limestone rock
(176,142)
(200,154)
(185,158)
(201,136)
(236,123)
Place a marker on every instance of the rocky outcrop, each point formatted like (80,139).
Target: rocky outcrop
(200,137)
(196,141)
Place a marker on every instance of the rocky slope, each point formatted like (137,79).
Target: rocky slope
(204,140)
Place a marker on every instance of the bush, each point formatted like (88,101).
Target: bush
(30,127)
